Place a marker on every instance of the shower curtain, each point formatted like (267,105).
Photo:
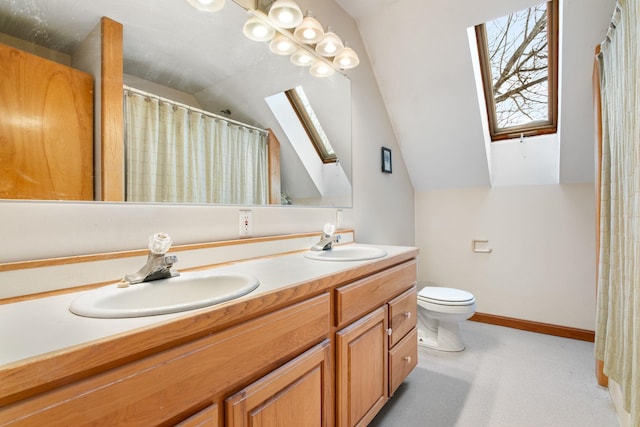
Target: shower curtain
(618,314)
(176,154)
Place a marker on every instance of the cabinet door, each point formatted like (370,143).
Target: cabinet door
(361,369)
(46,127)
(297,394)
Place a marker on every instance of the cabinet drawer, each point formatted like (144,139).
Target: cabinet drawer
(360,297)
(159,388)
(402,315)
(402,359)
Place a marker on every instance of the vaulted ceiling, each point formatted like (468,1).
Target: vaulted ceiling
(420,54)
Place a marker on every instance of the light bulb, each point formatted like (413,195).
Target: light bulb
(302,58)
(329,45)
(255,29)
(346,59)
(280,45)
(309,31)
(259,31)
(285,14)
(207,5)
(321,69)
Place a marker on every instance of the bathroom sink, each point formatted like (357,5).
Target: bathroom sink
(347,253)
(188,291)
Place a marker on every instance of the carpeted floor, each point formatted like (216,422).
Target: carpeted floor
(504,378)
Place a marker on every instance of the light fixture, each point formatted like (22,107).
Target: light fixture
(321,69)
(303,40)
(330,44)
(256,30)
(285,14)
(302,57)
(280,45)
(207,5)
(346,59)
(309,31)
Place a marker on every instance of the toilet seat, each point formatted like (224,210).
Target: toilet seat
(446,296)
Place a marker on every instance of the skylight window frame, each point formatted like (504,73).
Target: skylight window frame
(309,126)
(539,127)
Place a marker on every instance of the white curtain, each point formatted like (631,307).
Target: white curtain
(175,154)
(618,316)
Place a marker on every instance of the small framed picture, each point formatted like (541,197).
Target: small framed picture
(386,160)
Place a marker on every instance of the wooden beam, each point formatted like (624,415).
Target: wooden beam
(274,170)
(112,121)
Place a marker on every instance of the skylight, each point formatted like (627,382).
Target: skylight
(518,62)
(311,124)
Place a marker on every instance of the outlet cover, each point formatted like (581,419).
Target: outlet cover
(245,223)
(339,218)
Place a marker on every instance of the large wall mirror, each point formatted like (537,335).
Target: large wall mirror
(202,60)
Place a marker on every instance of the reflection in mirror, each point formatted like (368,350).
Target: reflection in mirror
(178,154)
(301,105)
(297,118)
(210,67)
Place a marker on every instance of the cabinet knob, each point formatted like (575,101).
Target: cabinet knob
(407,359)
(407,314)
(389,331)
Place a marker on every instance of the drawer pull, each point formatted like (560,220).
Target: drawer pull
(407,359)
(389,331)
(407,314)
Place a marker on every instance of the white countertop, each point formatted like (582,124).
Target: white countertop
(36,327)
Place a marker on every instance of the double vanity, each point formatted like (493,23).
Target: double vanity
(322,339)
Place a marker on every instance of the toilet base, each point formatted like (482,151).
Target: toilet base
(440,335)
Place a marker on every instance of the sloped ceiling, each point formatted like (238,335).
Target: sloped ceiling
(420,55)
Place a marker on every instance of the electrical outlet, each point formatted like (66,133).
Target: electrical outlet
(339,218)
(245,223)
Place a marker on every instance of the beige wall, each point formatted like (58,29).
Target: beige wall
(542,267)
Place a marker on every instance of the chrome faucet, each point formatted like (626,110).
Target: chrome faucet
(328,238)
(158,265)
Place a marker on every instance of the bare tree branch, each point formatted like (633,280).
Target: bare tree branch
(511,93)
(518,56)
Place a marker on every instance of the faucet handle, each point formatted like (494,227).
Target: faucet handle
(159,243)
(329,229)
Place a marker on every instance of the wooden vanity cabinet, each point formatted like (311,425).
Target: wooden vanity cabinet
(378,348)
(332,359)
(185,383)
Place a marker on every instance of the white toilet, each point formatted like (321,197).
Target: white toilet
(440,310)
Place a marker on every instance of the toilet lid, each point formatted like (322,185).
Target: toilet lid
(446,296)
